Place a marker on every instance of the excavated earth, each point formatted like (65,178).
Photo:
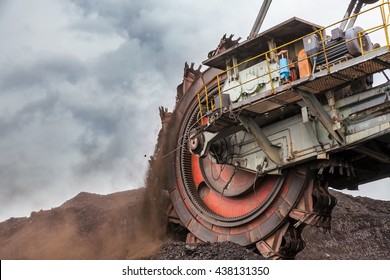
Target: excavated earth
(127,225)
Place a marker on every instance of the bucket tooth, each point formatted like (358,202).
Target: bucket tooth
(315,207)
(285,243)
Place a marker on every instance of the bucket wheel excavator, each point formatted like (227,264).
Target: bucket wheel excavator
(256,140)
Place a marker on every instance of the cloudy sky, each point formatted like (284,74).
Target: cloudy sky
(81,83)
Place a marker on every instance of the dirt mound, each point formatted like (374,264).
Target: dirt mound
(117,226)
(89,226)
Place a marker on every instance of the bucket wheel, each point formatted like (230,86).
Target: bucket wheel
(219,202)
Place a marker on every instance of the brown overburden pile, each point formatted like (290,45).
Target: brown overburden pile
(89,226)
(121,226)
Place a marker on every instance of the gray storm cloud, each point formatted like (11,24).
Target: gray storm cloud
(81,83)
(69,125)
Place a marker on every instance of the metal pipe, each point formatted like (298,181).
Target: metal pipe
(352,21)
(347,14)
(359,5)
(260,18)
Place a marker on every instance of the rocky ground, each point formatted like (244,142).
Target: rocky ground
(360,230)
(119,226)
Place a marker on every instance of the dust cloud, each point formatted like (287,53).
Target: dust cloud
(124,225)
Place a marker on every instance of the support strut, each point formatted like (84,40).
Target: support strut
(318,110)
(262,140)
(260,18)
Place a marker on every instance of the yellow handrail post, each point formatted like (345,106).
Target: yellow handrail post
(207,98)
(388,7)
(200,106)
(324,50)
(219,92)
(385,26)
(269,72)
(361,42)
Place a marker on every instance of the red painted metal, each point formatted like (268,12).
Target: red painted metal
(216,177)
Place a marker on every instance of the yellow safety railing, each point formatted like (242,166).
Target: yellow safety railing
(207,104)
